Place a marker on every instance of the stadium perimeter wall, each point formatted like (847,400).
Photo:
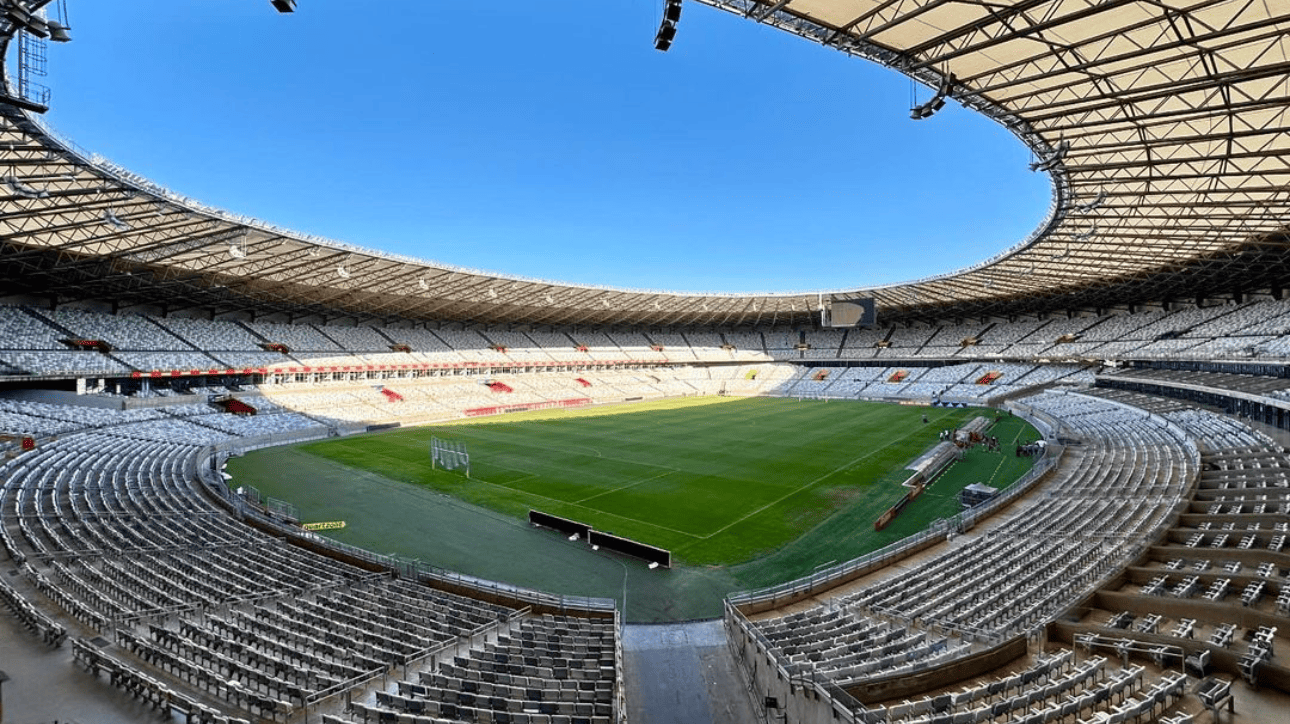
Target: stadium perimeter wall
(944,675)
(809,699)
(66,397)
(800,699)
(804,588)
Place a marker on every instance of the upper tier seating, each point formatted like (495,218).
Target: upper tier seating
(30,341)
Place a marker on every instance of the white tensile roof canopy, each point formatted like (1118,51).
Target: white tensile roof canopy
(1162,122)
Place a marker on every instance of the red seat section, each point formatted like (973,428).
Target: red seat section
(235,406)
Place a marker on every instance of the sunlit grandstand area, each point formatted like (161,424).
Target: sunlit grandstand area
(250,474)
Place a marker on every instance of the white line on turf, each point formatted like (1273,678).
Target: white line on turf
(597,510)
(629,485)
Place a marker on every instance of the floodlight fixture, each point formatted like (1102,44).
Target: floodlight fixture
(58,32)
(284,6)
(936,102)
(21,189)
(116,222)
(663,39)
(1049,162)
(667,28)
(1091,205)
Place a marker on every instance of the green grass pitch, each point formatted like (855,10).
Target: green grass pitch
(717,481)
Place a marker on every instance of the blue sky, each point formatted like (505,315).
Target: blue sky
(547,140)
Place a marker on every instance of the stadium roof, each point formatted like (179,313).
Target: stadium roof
(1163,124)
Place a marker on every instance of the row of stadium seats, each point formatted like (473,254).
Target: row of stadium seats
(33,341)
(551,666)
(160,696)
(1221,563)
(1049,695)
(154,343)
(314,407)
(950,383)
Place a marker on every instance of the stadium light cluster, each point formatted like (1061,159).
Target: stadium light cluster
(23,190)
(667,29)
(1049,162)
(29,17)
(111,219)
(936,102)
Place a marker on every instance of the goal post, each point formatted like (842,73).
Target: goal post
(449,455)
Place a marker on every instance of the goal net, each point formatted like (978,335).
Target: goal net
(449,455)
